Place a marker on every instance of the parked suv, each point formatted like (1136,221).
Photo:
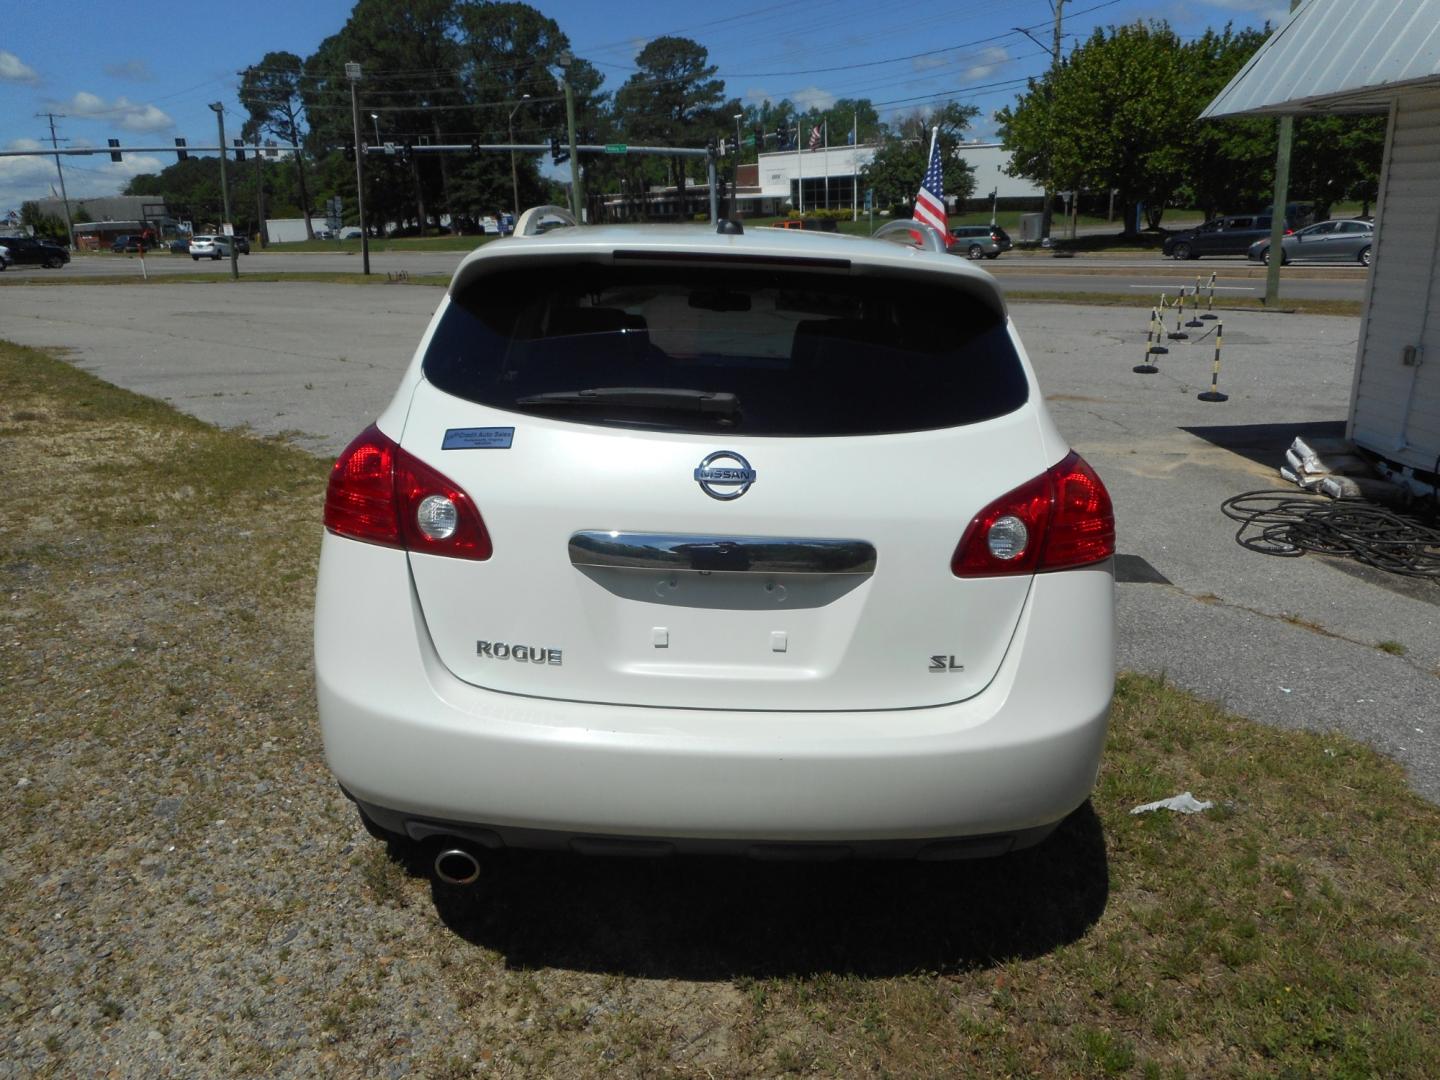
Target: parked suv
(210,247)
(1230,235)
(979,241)
(755,542)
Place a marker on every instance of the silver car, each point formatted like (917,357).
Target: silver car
(209,247)
(1342,240)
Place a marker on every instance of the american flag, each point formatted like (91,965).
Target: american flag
(815,137)
(930,203)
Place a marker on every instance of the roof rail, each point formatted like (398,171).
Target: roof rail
(532,219)
(912,233)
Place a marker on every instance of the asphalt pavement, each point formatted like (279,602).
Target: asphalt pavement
(1289,642)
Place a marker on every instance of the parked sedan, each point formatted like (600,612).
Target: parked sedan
(1344,240)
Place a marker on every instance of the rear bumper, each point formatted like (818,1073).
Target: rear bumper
(422,751)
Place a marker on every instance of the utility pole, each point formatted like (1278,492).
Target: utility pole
(352,72)
(1282,196)
(732,209)
(514,174)
(64,198)
(1048,219)
(260,195)
(219,111)
(565,59)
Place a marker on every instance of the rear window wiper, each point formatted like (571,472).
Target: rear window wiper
(718,402)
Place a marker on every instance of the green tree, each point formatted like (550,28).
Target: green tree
(271,93)
(410,76)
(50,226)
(1117,114)
(1335,158)
(899,165)
(1230,164)
(673,99)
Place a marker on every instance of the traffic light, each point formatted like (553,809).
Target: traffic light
(239,149)
(181,153)
(114,154)
(474,147)
(557,155)
(349,149)
(407,151)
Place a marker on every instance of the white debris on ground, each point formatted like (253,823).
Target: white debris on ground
(1184,803)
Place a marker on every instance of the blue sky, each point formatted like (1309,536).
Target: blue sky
(145,72)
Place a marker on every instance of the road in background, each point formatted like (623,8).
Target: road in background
(1017,272)
(1290,642)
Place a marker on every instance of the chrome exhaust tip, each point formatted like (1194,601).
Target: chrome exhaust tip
(456,866)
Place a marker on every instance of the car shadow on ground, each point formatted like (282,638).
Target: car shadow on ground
(712,918)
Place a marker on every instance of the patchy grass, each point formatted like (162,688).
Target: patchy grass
(1394,648)
(184,892)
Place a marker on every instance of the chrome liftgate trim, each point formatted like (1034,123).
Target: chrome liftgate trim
(721,554)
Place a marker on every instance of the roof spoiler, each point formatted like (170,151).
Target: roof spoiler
(531,220)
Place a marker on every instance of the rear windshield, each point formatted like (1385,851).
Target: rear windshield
(754,350)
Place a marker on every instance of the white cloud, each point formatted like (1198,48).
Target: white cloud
(134,70)
(122,112)
(25,178)
(812,97)
(13,69)
(926,63)
(987,63)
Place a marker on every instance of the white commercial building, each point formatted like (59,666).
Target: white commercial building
(831,180)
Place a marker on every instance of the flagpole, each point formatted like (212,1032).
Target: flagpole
(855,165)
(800,164)
(826,123)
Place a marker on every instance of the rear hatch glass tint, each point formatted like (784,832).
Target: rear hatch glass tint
(758,350)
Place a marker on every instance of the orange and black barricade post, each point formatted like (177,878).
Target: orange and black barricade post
(1213,394)
(1195,319)
(1210,315)
(1145,367)
(1177,334)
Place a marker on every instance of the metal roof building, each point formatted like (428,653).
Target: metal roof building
(1381,56)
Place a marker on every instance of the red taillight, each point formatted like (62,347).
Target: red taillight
(1062,518)
(1289,232)
(377,493)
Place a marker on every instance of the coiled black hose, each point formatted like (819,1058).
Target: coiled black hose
(1290,523)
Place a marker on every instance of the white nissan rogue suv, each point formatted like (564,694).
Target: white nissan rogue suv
(677,539)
